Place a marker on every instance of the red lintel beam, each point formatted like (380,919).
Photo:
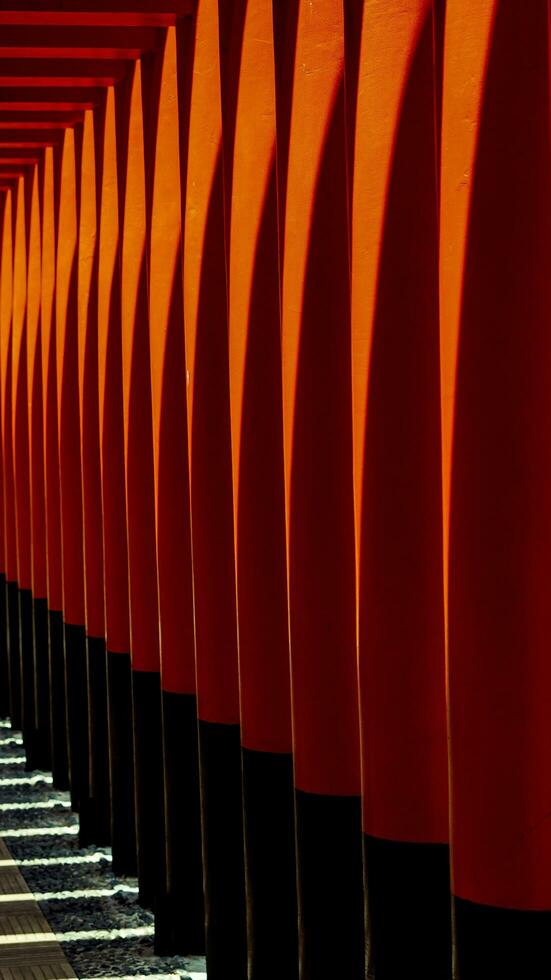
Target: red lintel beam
(29,137)
(123,13)
(21,125)
(37,118)
(26,96)
(25,108)
(66,40)
(62,71)
(14,160)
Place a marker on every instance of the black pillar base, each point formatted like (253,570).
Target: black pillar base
(43,749)
(95,821)
(180,914)
(269,819)
(28,678)
(409,909)
(58,706)
(148,772)
(77,713)
(121,764)
(4,656)
(503,943)
(330,877)
(224,866)
(14,655)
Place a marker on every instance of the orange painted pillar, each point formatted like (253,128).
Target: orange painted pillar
(206,327)
(495,274)
(51,477)
(96,822)
(140,496)
(42,753)
(119,690)
(397,467)
(249,127)
(70,473)
(180,922)
(20,436)
(4,654)
(312,189)
(6,309)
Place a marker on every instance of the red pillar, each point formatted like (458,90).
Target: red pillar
(315,291)
(391,84)
(206,347)
(181,921)
(96,823)
(36,477)
(70,472)
(496,396)
(254,354)
(115,546)
(140,495)
(7,444)
(52,476)
(20,436)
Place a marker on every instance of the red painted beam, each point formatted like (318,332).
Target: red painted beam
(49,97)
(29,139)
(86,12)
(65,71)
(34,124)
(53,39)
(35,118)
(30,109)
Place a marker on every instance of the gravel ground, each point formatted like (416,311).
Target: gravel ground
(102,929)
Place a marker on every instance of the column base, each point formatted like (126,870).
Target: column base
(505,943)
(269,822)
(121,764)
(148,769)
(4,656)
(408,909)
(180,914)
(58,706)
(28,678)
(77,712)
(43,748)
(14,654)
(330,877)
(224,865)
(96,822)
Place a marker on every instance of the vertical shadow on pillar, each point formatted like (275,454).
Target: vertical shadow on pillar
(58,689)
(98,828)
(14,658)
(4,654)
(407,883)
(121,763)
(43,746)
(77,715)
(148,769)
(222,826)
(180,914)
